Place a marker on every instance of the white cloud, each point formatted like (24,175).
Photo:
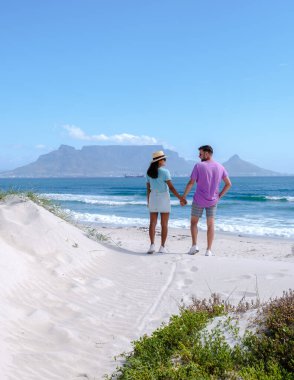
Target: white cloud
(40,146)
(123,138)
(76,132)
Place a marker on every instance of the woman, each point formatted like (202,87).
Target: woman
(158,198)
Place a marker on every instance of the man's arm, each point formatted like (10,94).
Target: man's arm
(227,186)
(188,188)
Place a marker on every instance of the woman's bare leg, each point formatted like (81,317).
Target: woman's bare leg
(152,226)
(164,227)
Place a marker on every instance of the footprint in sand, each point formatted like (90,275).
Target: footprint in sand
(242,277)
(94,300)
(194,269)
(102,283)
(79,289)
(273,276)
(245,294)
(41,324)
(59,335)
(245,277)
(80,280)
(39,316)
(183,284)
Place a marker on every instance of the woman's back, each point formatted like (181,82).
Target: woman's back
(159,184)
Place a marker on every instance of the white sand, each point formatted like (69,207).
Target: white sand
(70,304)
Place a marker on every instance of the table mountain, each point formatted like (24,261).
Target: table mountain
(99,161)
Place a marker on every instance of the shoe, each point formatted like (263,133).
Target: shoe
(194,249)
(162,249)
(151,249)
(209,253)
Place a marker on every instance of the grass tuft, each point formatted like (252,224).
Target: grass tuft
(93,234)
(39,200)
(185,349)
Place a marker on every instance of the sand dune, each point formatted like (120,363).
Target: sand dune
(70,304)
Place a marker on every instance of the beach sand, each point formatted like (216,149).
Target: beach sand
(69,304)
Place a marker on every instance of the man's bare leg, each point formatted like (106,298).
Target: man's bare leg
(210,232)
(194,229)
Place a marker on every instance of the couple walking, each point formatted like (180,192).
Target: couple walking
(208,175)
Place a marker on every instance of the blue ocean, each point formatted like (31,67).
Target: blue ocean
(259,206)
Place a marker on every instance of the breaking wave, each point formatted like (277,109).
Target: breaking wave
(239,226)
(102,200)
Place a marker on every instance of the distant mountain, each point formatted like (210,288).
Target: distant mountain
(99,161)
(118,161)
(240,168)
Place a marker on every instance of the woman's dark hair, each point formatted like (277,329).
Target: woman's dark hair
(153,170)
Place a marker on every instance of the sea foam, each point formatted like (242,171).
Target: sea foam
(241,226)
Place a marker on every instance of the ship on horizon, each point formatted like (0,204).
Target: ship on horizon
(134,176)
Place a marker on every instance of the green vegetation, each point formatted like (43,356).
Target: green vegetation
(4,194)
(93,234)
(186,349)
(41,201)
(49,205)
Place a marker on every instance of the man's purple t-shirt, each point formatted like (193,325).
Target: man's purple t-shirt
(208,175)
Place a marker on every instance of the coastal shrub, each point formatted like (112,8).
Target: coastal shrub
(273,343)
(186,349)
(55,209)
(48,204)
(4,194)
(93,234)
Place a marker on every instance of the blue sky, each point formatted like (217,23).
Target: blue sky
(181,73)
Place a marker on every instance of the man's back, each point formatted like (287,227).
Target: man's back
(208,175)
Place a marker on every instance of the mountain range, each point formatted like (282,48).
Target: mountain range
(237,167)
(118,161)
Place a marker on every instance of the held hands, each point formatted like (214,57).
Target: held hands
(183,201)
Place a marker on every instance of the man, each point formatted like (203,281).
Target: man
(208,175)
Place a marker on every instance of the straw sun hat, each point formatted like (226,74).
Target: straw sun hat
(157,156)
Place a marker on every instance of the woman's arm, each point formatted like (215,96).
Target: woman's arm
(173,190)
(148,192)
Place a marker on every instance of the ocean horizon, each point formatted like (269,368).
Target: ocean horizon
(254,206)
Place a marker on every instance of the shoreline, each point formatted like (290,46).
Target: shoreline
(226,244)
(181,229)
